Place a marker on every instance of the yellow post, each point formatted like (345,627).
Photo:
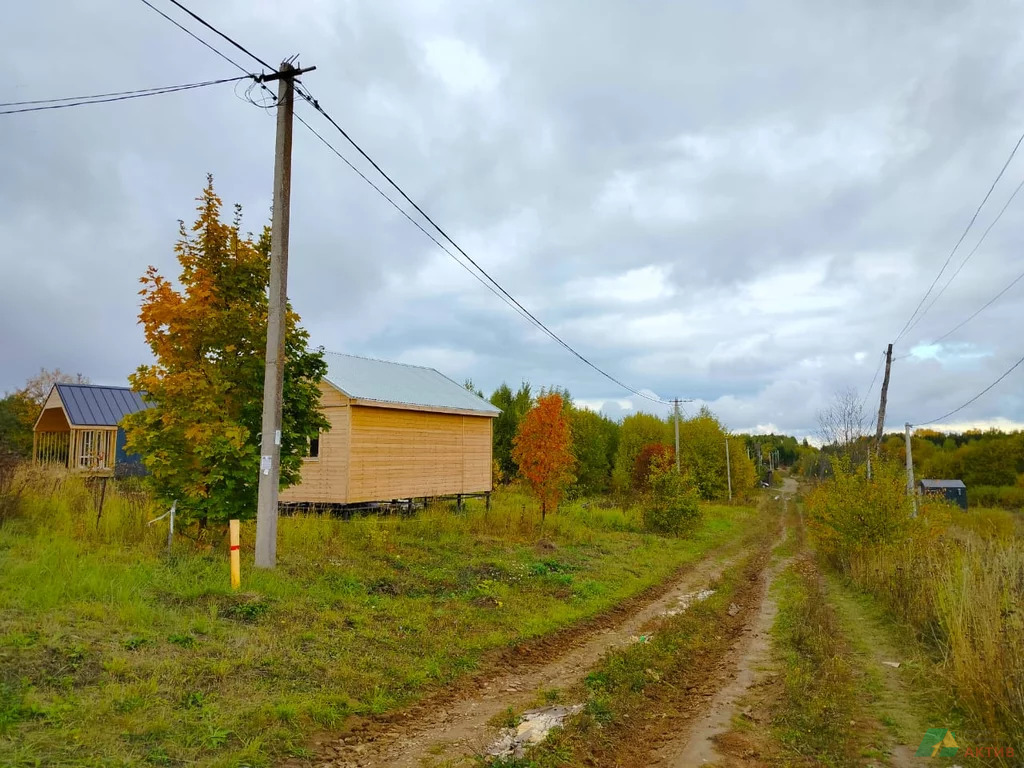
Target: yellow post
(236,574)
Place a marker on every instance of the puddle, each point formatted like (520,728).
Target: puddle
(533,727)
(687,600)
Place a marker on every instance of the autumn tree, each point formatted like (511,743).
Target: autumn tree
(645,460)
(38,387)
(542,449)
(19,409)
(514,406)
(702,455)
(16,421)
(638,430)
(201,439)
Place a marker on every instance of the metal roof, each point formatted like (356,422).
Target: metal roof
(365,379)
(943,483)
(88,405)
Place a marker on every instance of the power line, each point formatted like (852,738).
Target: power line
(973,315)
(906,326)
(874,378)
(196,37)
(316,105)
(523,310)
(402,211)
(216,31)
(78,101)
(986,389)
(969,255)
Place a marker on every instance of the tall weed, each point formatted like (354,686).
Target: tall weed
(959,584)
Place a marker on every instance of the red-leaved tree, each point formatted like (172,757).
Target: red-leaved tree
(542,449)
(645,461)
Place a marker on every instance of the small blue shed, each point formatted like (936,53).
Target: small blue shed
(951,490)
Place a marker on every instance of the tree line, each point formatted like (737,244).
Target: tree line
(206,331)
(616,456)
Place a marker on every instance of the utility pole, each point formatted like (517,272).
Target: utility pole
(885,394)
(911,491)
(728,468)
(273,376)
(676,404)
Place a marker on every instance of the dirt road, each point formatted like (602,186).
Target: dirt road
(696,745)
(453,732)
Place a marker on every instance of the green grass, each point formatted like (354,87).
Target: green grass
(906,701)
(112,653)
(818,711)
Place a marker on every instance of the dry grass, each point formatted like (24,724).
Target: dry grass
(956,578)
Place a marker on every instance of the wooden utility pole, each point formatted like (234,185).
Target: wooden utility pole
(273,376)
(676,404)
(885,393)
(728,468)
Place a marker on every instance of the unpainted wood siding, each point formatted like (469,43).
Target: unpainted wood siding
(325,479)
(398,454)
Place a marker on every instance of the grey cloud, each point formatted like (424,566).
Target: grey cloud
(797,173)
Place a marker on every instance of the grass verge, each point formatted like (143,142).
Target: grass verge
(112,653)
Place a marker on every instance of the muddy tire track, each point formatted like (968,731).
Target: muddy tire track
(451,731)
(748,657)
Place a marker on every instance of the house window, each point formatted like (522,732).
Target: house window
(313,447)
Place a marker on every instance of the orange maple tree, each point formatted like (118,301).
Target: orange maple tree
(542,449)
(200,440)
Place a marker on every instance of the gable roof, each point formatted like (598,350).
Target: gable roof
(363,378)
(943,484)
(88,405)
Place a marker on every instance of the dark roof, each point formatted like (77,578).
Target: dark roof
(88,405)
(943,484)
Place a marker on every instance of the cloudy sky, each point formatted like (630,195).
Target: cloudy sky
(740,203)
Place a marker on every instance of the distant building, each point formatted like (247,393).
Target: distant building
(79,428)
(951,490)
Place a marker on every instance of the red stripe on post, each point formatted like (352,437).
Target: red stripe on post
(234,547)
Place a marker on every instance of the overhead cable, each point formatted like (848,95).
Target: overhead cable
(968,256)
(497,287)
(78,101)
(917,309)
(973,399)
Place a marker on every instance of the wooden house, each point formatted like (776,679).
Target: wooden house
(79,428)
(950,490)
(397,432)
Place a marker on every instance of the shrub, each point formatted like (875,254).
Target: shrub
(645,461)
(671,505)
(849,512)
(1005,496)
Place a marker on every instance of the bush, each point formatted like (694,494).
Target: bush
(1005,496)
(848,512)
(671,505)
